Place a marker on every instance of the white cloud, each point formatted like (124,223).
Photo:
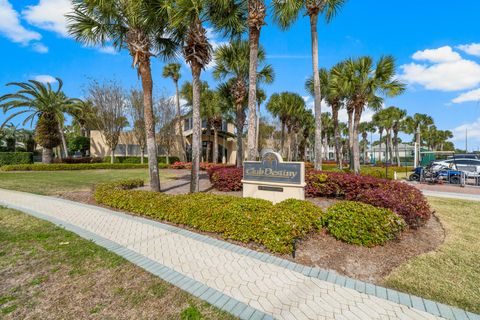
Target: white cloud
(40,47)
(214,39)
(442,54)
(473,95)
(10,25)
(446,70)
(108,50)
(472,49)
(45,78)
(473,130)
(49,15)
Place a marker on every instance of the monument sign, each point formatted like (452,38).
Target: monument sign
(272,179)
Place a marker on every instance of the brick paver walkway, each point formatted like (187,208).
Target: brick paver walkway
(248,284)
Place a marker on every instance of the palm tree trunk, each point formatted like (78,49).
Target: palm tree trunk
(257,132)
(142,154)
(356,146)
(207,151)
(336,132)
(47,155)
(239,127)
(380,147)
(418,145)
(390,144)
(215,144)
(255,8)
(64,141)
(112,155)
(289,144)
(350,137)
(180,139)
(147,84)
(196,131)
(397,152)
(282,140)
(317,93)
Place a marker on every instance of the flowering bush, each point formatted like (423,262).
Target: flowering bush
(204,166)
(181,165)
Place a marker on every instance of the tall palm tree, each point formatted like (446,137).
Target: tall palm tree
(398,116)
(285,13)
(232,64)
(172,70)
(416,125)
(132,25)
(255,20)
(365,83)
(40,102)
(188,19)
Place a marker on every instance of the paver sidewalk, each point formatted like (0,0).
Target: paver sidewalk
(246,283)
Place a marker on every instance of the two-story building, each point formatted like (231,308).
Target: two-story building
(127,145)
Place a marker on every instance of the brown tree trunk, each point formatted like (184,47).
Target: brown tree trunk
(180,139)
(338,143)
(350,137)
(289,144)
(112,155)
(142,154)
(317,92)
(47,155)
(147,84)
(196,130)
(397,152)
(282,140)
(257,132)
(356,146)
(239,123)
(215,144)
(207,151)
(256,15)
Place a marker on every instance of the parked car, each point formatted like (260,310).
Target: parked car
(462,164)
(465,156)
(429,175)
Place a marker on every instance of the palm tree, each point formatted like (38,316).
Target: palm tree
(416,125)
(364,83)
(398,116)
(285,13)
(135,26)
(232,64)
(187,18)
(327,127)
(172,70)
(82,116)
(255,20)
(365,128)
(41,102)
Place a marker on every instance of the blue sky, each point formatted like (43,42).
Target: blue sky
(437,48)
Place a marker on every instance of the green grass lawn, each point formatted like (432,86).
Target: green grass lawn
(51,182)
(451,274)
(47,272)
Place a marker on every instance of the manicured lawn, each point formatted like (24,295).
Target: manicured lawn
(51,182)
(451,274)
(47,272)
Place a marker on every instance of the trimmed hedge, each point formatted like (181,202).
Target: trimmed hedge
(79,166)
(71,160)
(204,166)
(241,219)
(403,199)
(134,159)
(226,178)
(362,224)
(8,158)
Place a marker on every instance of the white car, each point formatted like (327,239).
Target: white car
(460,164)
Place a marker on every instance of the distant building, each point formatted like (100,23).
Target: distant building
(377,153)
(127,146)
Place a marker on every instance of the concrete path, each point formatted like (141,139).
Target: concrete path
(246,283)
(452,195)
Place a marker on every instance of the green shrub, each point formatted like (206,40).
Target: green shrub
(7,158)
(362,224)
(135,159)
(241,219)
(72,166)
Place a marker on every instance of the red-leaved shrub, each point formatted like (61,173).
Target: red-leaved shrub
(226,178)
(403,199)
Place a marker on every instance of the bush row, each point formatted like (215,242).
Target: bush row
(362,224)
(7,158)
(134,159)
(78,166)
(241,219)
(71,160)
(403,199)
(204,166)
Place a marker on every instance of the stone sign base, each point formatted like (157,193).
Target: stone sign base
(272,191)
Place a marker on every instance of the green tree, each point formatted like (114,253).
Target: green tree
(232,64)
(188,19)
(172,71)
(133,25)
(286,12)
(40,102)
(364,84)
(416,125)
